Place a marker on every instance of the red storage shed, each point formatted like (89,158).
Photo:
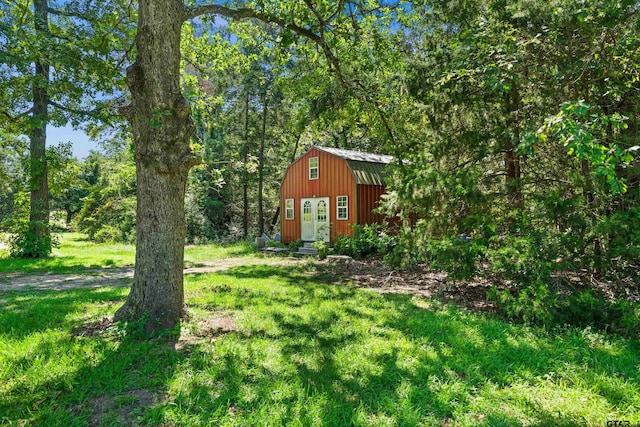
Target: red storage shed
(328,190)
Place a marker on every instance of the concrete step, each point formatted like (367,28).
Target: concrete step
(306,249)
(311,251)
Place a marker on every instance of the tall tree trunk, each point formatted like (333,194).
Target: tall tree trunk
(39,185)
(261,166)
(276,215)
(245,173)
(69,213)
(162,127)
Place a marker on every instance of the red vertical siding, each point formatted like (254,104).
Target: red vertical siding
(368,200)
(334,179)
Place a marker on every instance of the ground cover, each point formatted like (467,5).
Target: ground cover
(77,254)
(294,345)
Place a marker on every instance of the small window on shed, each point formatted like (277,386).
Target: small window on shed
(313,168)
(306,212)
(322,211)
(343,207)
(288,208)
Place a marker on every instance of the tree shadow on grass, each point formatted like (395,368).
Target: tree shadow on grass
(316,354)
(419,364)
(22,314)
(52,376)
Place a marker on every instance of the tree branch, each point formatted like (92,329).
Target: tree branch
(15,118)
(334,63)
(245,13)
(321,21)
(90,113)
(69,14)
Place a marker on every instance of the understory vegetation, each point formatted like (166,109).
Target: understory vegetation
(286,345)
(532,283)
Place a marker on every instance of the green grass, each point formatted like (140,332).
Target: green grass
(305,353)
(195,255)
(76,254)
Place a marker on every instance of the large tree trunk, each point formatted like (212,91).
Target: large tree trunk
(261,167)
(39,185)
(162,127)
(245,172)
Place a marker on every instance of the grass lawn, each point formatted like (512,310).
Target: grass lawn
(270,345)
(76,254)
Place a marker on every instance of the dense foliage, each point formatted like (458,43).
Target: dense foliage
(527,144)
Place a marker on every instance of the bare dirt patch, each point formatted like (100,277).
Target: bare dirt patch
(91,329)
(205,329)
(419,280)
(122,410)
(98,278)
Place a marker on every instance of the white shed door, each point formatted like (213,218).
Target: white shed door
(315,219)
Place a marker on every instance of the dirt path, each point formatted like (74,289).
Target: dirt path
(97,278)
(372,275)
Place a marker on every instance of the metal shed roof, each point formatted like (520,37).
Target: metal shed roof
(367,173)
(358,156)
(366,168)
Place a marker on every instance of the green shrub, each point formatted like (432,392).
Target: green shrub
(342,246)
(25,241)
(322,248)
(532,304)
(619,235)
(107,234)
(587,309)
(366,240)
(537,304)
(295,246)
(461,257)
(109,219)
(522,260)
(525,264)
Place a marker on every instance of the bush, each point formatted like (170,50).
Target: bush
(619,235)
(531,304)
(461,257)
(108,219)
(526,264)
(366,240)
(537,304)
(587,309)
(107,234)
(322,248)
(295,246)
(25,241)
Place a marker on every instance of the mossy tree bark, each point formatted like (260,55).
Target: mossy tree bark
(162,128)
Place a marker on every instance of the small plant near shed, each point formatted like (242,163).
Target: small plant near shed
(366,240)
(295,246)
(322,248)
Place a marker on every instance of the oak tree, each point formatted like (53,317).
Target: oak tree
(162,126)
